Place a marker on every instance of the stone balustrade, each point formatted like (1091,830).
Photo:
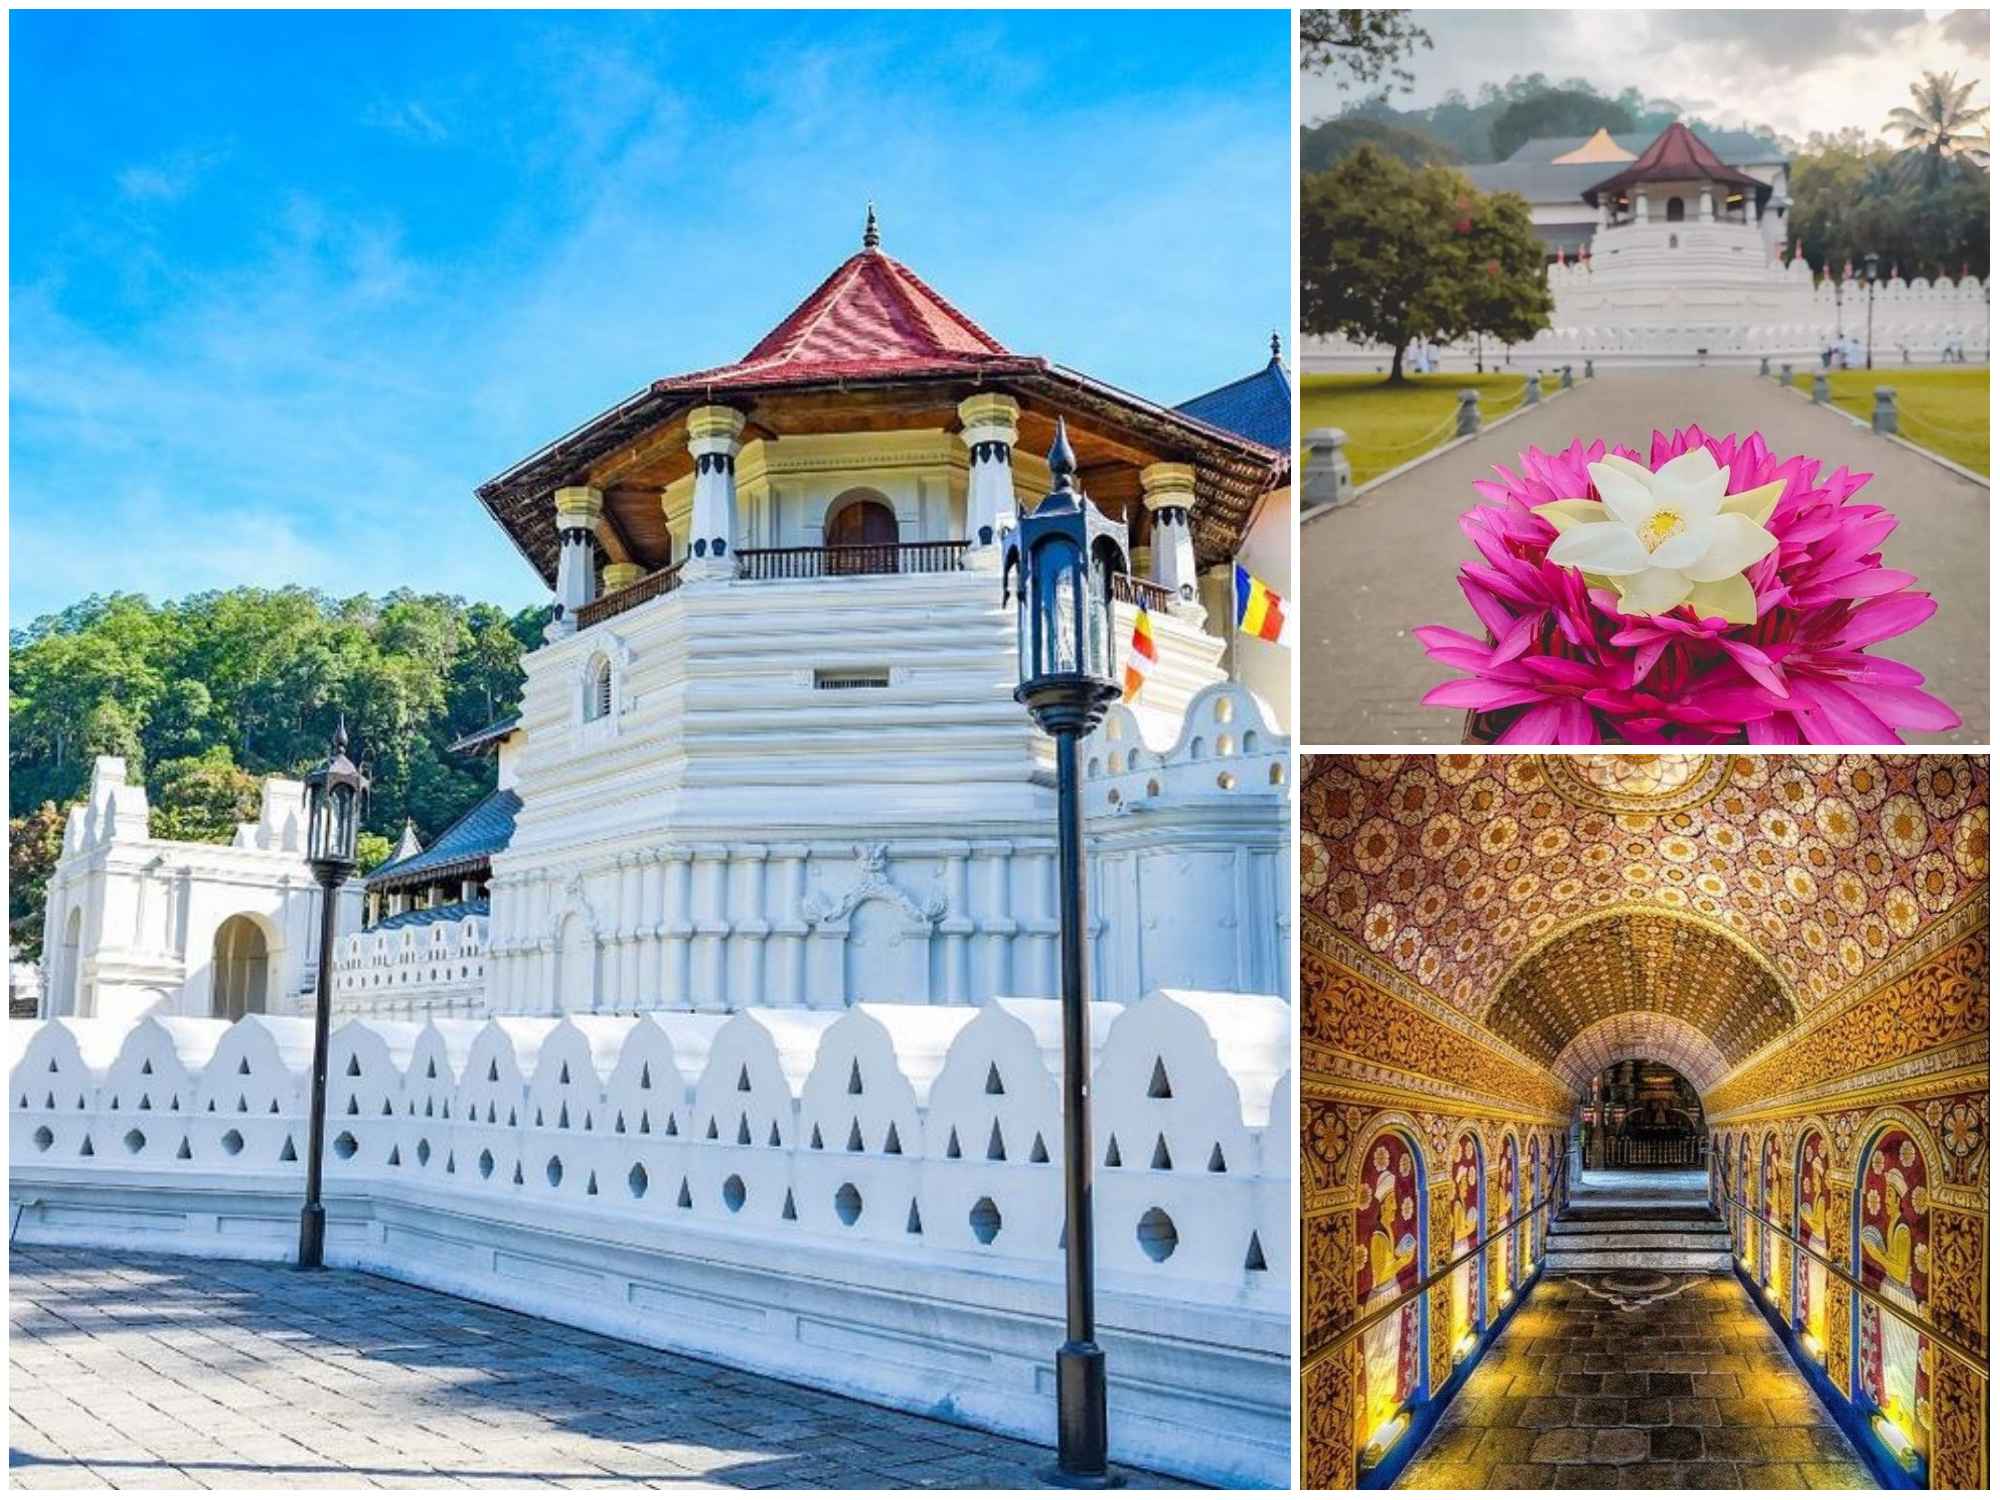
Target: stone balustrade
(867,1200)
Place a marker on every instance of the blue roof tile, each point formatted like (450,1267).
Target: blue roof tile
(479,834)
(1258,407)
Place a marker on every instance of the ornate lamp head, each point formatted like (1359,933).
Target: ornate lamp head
(1060,561)
(336,794)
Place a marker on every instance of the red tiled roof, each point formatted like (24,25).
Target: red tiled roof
(873,316)
(1677,155)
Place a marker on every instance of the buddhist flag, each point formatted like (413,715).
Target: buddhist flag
(1261,611)
(1140,659)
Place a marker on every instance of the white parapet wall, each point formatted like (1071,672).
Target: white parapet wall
(866,1201)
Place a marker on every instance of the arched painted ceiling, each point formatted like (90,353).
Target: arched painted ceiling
(1453,868)
(1643,1036)
(1653,961)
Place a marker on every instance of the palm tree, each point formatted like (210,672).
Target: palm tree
(1941,133)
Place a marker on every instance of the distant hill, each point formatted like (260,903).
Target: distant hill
(1321,145)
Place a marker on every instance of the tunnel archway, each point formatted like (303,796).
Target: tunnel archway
(240,968)
(1802,940)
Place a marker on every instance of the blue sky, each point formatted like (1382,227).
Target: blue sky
(286,286)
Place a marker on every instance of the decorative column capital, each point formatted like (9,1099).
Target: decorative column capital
(1167,486)
(579,507)
(622,575)
(715,429)
(989,417)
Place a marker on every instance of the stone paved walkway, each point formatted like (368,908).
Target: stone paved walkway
(1371,573)
(160,1372)
(1693,1391)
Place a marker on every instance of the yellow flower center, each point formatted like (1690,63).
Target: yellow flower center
(1662,526)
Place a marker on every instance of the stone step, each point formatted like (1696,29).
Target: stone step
(1611,1212)
(1637,1226)
(1652,1240)
(1637,1260)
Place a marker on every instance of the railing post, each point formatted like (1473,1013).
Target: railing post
(1763,364)
(1590,369)
(1821,395)
(1329,475)
(1785,373)
(1468,413)
(1535,389)
(1885,409)
(1568,381)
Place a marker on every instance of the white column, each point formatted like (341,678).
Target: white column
(1639,213)
(748,926)
(956,928)
(707,978)
(786,969)
(992,973)
(652,925)
(1169,494)
(578,510)
(714,438)
(1706,211)
(989,428)
(679,925)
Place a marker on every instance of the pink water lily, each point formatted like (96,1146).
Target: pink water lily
(1730,598)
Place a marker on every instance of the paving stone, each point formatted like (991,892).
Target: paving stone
(1676,1443)
(1600,1411)
(1618,1445)
(1560,1445)
(157,1372)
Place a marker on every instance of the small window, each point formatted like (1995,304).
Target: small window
(852,677)
(597,704)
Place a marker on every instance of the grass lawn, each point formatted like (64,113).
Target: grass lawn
(1388,425)
(1944,410)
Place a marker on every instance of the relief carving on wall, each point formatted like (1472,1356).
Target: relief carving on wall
(871,883)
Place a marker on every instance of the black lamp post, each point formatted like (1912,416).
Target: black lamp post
(1869,261)
(335,791)
(1060,561)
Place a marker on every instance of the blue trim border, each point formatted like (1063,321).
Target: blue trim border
(1847,1415)
(1424,1415)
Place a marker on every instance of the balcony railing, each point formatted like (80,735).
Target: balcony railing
(630,597)
(1149,596)
(764,563)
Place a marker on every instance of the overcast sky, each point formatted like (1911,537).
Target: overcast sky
(1795,70)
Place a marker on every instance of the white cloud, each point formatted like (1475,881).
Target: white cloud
(169,179)
(407,118)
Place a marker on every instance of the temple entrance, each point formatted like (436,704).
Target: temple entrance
(865,533)
(1642,1114)
(239,970)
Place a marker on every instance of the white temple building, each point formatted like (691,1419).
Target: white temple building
(728,1022)
(1684,262)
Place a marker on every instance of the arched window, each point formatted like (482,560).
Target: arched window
(241,964)
(1677,210)
(597,694)
(864,528)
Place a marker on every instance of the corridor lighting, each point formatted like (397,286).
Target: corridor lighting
(1463,1348)
(1384,1438)
(1813,1347)
(1895,1439)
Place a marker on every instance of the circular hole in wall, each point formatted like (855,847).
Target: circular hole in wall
(345,1145)
(555,1171)
(486,1164)
(44,1138)
(985,1221)
(232,1141)
(847,1203)
(1227,781)
(1157,1235)
(135,1141)
(732,1193)
(637,1180)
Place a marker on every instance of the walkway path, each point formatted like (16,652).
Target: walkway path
(1690,1391)
(1374,571)
(167,1373)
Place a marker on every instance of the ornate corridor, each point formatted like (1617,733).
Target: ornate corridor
(1765,978)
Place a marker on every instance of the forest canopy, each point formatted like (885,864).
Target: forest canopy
(207,695)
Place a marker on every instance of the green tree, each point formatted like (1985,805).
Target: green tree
(34,844)
(1360,46)
(1394,253)
(1556,112)
(1944,134)
(202,797)
(1849,197)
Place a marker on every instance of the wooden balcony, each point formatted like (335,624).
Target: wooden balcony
(1149,596)
(762,564)
(630,597)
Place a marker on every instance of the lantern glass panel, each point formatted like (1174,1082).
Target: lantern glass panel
(1056,576)
(1099,606)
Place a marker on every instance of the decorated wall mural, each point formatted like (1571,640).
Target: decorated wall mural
(1808,934)
(1808,1275)
(1389,1230)
(1894,1218)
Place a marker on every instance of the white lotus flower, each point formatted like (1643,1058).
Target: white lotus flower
(1668,537)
